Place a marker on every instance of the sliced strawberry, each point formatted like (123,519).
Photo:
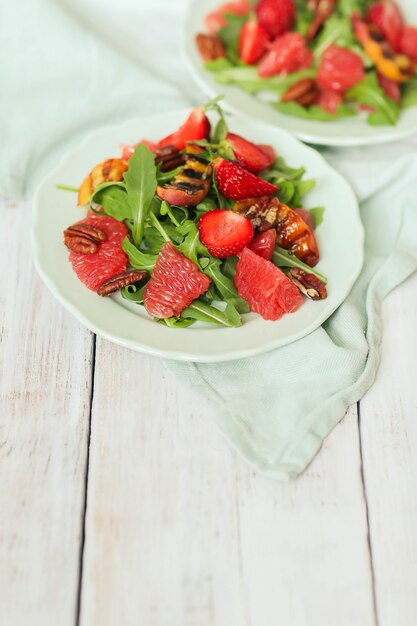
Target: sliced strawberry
(305,215)
(175,283)
(389,87)
(329,100)
(237,184)
(216,19)
(339,69)
(286,54)
(276,16)
(196,126)
(408,42)
(224,233)
(248,155)
(253,41)
(266,288)
(264,243)
(386,15)
(268,151)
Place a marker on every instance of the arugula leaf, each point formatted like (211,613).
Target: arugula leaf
(317,213)
(336,30)
(247,78)
(314,112)
(137,259)
(225,286)
(229,266)
(286,190)
(282,258)
(203,312)
(229,35)
(140,180)
(114,200)
(409,96)
(369,92)
(191,247)
(132,293)
(175,322)
(218,65)
(166,177)
(347,7)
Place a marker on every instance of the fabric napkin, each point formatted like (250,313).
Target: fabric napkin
(73,66)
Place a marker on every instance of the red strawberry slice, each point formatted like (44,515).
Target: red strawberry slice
(264,243)
(268,151)
(339,69)
(94,269)
(216,19)
(267,290)
(286,54)
(237,184)
(224,233)
(253,41)
(329,100)
(389,87)
(175,283)
(249,155)
(408,42)
(305,215)
(196,126)
(386,15)
(276,16)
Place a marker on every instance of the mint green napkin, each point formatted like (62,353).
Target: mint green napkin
(74,65)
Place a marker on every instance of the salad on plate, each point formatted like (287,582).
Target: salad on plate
(321,60)
(201,225)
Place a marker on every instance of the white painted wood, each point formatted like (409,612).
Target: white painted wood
(389,442)
(44,408)
(182,532)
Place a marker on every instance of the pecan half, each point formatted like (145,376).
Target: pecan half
(169,157)
(261,212)
(305,92)
(210,47)
(308,284)
(83,238)
(121,280)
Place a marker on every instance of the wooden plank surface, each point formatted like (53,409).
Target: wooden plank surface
(181,531)
(389,444)
(45,365)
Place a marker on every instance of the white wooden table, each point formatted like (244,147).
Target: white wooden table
(120,503)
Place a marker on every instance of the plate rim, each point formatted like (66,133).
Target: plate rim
(183,355)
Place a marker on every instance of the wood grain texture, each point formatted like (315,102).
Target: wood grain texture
(389,444)
(181,531)
(44,415)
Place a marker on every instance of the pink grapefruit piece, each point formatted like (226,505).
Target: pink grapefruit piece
(265,287)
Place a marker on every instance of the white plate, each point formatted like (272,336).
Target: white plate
(351,131)
(340,239)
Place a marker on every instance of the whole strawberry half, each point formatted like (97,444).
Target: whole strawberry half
(276,16)
(224,233)
(196,126)
(253,41)
(236,183)
(249,155)
(386,15)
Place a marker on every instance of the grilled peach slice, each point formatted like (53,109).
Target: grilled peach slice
(107,171)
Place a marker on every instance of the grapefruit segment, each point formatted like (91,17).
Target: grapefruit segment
(265,287)
(175,283)
(94,269)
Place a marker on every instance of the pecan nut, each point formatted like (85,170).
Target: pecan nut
(83,238)
(169,157)
(308,284)
(210,47)
(121,280)
(305,92)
